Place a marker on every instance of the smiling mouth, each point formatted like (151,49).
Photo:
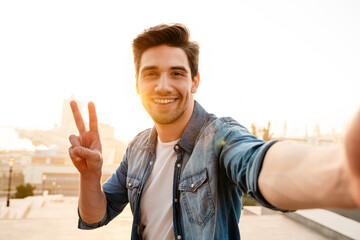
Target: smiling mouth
(163,101)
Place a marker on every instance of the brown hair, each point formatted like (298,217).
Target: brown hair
(174,35)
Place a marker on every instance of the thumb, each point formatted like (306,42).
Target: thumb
(86,153)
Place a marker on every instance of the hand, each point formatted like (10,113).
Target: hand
(352,148)
(85,151)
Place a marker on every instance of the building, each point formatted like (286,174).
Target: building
(51,168)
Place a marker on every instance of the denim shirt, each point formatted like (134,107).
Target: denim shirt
(217,161)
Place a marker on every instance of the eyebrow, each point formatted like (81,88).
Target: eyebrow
(179,68)
(149,68)
(146,68)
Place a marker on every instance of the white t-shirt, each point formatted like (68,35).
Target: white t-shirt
(156,201)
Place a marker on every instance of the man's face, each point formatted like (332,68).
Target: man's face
(165,85)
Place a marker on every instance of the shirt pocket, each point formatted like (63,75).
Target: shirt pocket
(132,185)
(196,197)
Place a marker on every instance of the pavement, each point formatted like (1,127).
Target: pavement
(55,217)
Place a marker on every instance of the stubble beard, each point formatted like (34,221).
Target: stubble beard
(165,116)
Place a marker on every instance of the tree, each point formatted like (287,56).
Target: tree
(253,129)
(23,191)
(266,135)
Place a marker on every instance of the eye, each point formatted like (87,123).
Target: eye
(178,74)
(150,74)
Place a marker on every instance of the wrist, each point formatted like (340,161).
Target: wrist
(91,177)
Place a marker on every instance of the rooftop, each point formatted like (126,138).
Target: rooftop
(55,217)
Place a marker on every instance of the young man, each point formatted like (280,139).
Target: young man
(184,178)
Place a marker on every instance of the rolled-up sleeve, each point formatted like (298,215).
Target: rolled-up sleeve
(84,225)
(242,156)
(252,175)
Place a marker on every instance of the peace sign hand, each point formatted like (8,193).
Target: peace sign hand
(85,151)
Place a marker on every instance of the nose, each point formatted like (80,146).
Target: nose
(163,85)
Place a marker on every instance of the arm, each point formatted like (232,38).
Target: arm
(240,155)
(85,153)
(92,200)
(298,176)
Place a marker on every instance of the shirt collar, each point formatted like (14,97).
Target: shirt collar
(152,140)
(192,130)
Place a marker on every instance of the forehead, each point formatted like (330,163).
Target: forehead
(164,56)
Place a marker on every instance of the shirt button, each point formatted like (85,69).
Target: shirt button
(129,184)
(176,147)
(178,237)
(176,200)
(178,165)
(192,185)
(151,163)
(139,192)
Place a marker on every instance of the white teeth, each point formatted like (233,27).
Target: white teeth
(156,100)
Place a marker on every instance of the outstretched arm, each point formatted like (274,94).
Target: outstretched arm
(85,153)
(297,176)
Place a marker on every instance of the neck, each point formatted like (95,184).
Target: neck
(173,131)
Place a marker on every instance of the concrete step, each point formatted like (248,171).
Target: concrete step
(327,223)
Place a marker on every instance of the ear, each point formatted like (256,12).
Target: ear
(195,83)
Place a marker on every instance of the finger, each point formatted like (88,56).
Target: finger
(72,155)
(86,153)
(74,140)
(93,118)
(78,118)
